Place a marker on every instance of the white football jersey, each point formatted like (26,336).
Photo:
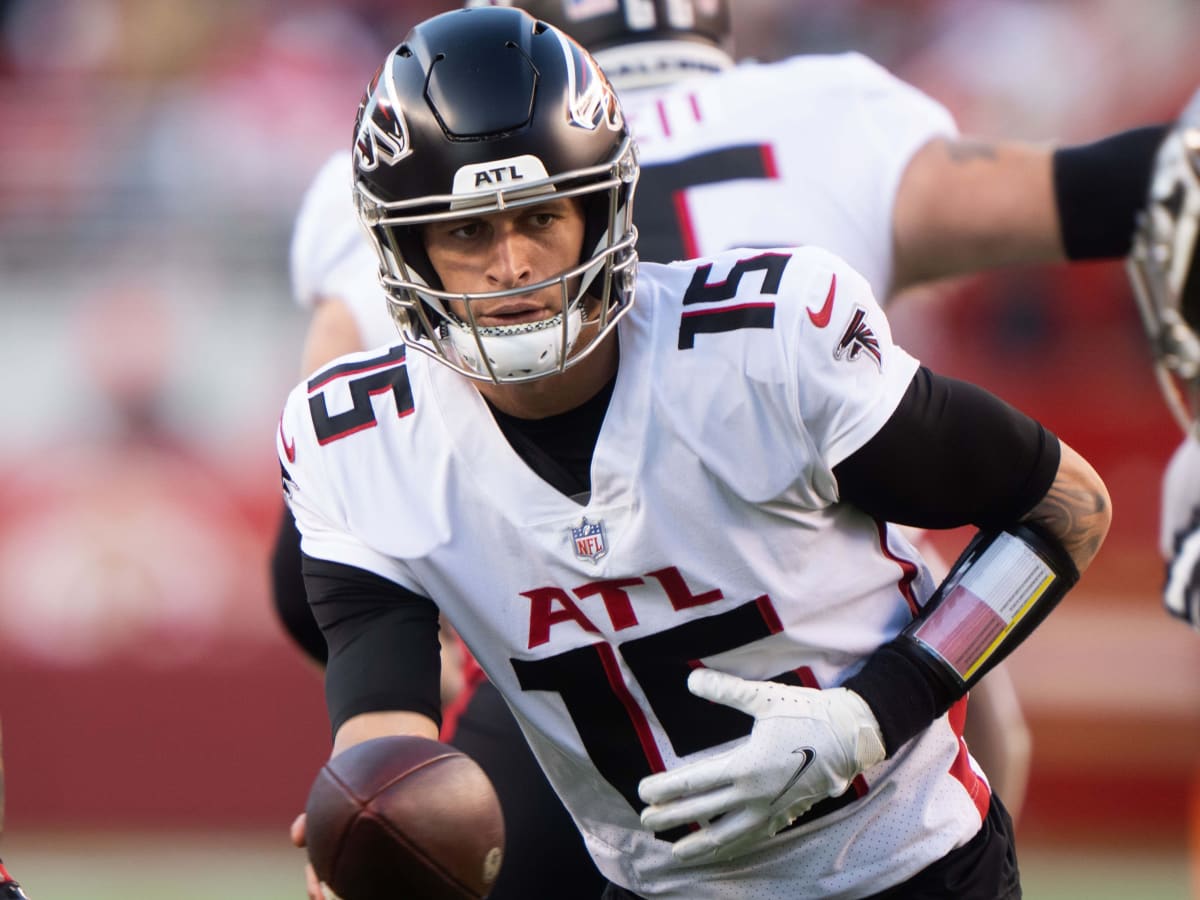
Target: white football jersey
(805,151)
(712,536)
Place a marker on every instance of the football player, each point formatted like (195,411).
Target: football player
(719,171)
(603,496)
(10,889)
(1165,273)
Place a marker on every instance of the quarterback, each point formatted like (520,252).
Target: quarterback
(653,501)
(828,150)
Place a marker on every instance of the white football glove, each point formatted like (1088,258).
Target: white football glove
(1180,532)
(806,745)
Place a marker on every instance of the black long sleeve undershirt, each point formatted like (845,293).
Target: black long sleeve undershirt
(951,454)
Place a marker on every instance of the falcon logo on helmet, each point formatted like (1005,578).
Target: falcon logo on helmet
(382,132)
(593,102)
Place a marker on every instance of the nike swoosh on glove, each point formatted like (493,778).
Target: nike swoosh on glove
(806,745)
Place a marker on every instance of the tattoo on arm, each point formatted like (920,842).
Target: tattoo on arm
(965,151)
(1076,509)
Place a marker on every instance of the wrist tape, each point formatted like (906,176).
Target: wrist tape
(1001,587)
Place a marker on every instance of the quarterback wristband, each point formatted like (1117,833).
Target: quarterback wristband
(1001,587)
(1099,189)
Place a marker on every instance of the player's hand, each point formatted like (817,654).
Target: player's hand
(1164,263)
(1180,535)
(806,745)
(312,885)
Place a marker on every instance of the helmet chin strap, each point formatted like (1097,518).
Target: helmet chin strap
(516,351)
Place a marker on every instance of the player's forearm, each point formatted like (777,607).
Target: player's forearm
(1076,511)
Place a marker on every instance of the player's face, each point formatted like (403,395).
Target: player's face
(506,250)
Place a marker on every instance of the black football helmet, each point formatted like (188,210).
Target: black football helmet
(1164,267)
(641,42)
(483,110)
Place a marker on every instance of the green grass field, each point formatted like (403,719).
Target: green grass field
(258,866)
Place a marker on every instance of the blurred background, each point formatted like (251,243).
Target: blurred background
(159,733)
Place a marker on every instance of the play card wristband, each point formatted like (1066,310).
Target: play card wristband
(1001,587)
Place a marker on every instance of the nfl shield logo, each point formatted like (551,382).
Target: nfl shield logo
(590,540)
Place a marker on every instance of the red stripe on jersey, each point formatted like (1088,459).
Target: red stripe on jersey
(770,169)
(473,677)
(809,680)
(767,610)
(371,365)
(636,716)
(662,118)
(722,309)
(960,769)
(687,231)
(908,569)
(695,104)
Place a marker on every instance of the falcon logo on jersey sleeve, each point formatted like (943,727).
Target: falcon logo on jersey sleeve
(859,340)
(287,482)
(589,539)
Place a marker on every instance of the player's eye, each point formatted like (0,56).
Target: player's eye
(466,231)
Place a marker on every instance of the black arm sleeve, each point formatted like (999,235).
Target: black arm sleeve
(1100,188)
(950,455)
(383,642)
(287,590)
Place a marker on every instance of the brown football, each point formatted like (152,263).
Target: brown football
(404,817)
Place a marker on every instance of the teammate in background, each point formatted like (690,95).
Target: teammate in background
(9,888)
(1164,269)
(603,496)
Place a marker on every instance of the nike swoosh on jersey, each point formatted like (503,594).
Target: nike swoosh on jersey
(821,317)
(809,756)
(289,447)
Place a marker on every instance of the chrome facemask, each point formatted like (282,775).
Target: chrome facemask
(1164,269)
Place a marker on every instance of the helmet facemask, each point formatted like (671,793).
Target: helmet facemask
(1164,269)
